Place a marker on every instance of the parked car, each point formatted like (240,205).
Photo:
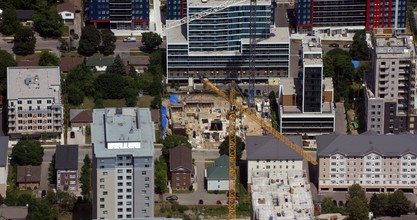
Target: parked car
(346,46)
(333,45)
(219,202)
(129,39)
(200,202)
(172,198)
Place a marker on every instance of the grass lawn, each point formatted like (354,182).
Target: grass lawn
(145,101)
(71,54)
(65,31)
(31,56)
(136,52)
(65,216)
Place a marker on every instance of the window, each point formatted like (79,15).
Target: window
(143,172)
(105,193)
(105,173)
(101,180)
(105,212)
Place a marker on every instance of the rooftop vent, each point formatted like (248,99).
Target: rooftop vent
(36,78)
(28,81)
(119,111)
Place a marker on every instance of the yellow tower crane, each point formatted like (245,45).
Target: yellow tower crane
(235,106)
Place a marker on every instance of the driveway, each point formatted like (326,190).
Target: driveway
(340,118)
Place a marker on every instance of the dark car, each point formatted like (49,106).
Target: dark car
(172,198)
(43,193)
(333,45)
(200,202)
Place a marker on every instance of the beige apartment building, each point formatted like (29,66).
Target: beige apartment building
(379,163)
(34,102)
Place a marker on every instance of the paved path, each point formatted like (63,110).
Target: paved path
(340,118)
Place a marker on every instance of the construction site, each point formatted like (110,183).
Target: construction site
(203,118)
(281,195)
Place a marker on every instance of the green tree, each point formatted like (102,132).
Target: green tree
(89,41)
(47,22)
(9,23)
(27,152)
(151,40)
(117,67)
(108,42)
(85,178)
(98,103)
(224,147)
(81,77)
(111,86)
(359,49)
(6,60)
(24,41)
(64,46)
(357,209)
(75,95)
(48,59)
(40,211)
(23,4)
(52,171)
(131,101)
(328,68)
(65,200)
(398,204)
(328,206)
(356,191)
(378,204)
(172,141)
(161,178)
(156,102)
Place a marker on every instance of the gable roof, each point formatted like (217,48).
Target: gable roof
(34,61)
(66,157)
(67,63)
(137,60)
(99,61)
(155,115)
(220,170)
(25,14)
(359,145)
(4,144)
(180,157)
(28,174)
(65,7)
(270,148)
(13,212)
(81,115)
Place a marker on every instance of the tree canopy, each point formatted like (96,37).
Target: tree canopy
(328,206)
(117,67)
(151,40)
(359,49)
(110,86)
(6,60)
(357,209)
(81,77)
(85,178)
(52,171)
(48,59)
(27,152)
(108,42)
(398,204)
(47,22)
(75,95)
(161,178)
(24,41)
(172,141)
(224,147)
(89,41)
(9,22)
(378,204)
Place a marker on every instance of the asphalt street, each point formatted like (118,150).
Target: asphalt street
(340,118)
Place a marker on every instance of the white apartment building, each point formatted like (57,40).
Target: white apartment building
(379,163)
(34,102)
(123,163)
(4,142)
(268,153)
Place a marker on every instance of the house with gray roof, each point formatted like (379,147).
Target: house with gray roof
(269,153)
(13,212)
(66,167)
(99,63)
(4,142)
(217,176)
(379,163)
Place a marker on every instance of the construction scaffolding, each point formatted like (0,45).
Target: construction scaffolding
(281,195)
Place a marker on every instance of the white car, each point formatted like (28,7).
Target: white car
(129,39)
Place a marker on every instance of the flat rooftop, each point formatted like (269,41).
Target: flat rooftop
(314,61)
(33,82)
(281,195)
(175,35)
(312,48)
(394,47)
(122,131)
(217,3)
(289,85)
(295,111)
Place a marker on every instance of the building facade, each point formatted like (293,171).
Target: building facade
(118,14)
(390,87)
(267,153)
(34,102)
(4,171)
(181,167)
(305,105)
(217,45)
(386,14)
(66,167)
(341,17)
(123,163)
(379,163)
(176,9)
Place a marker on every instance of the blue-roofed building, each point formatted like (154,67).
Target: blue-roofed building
(123,163)
(217,176)
(118,14)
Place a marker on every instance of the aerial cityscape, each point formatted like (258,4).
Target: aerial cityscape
(208,109)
